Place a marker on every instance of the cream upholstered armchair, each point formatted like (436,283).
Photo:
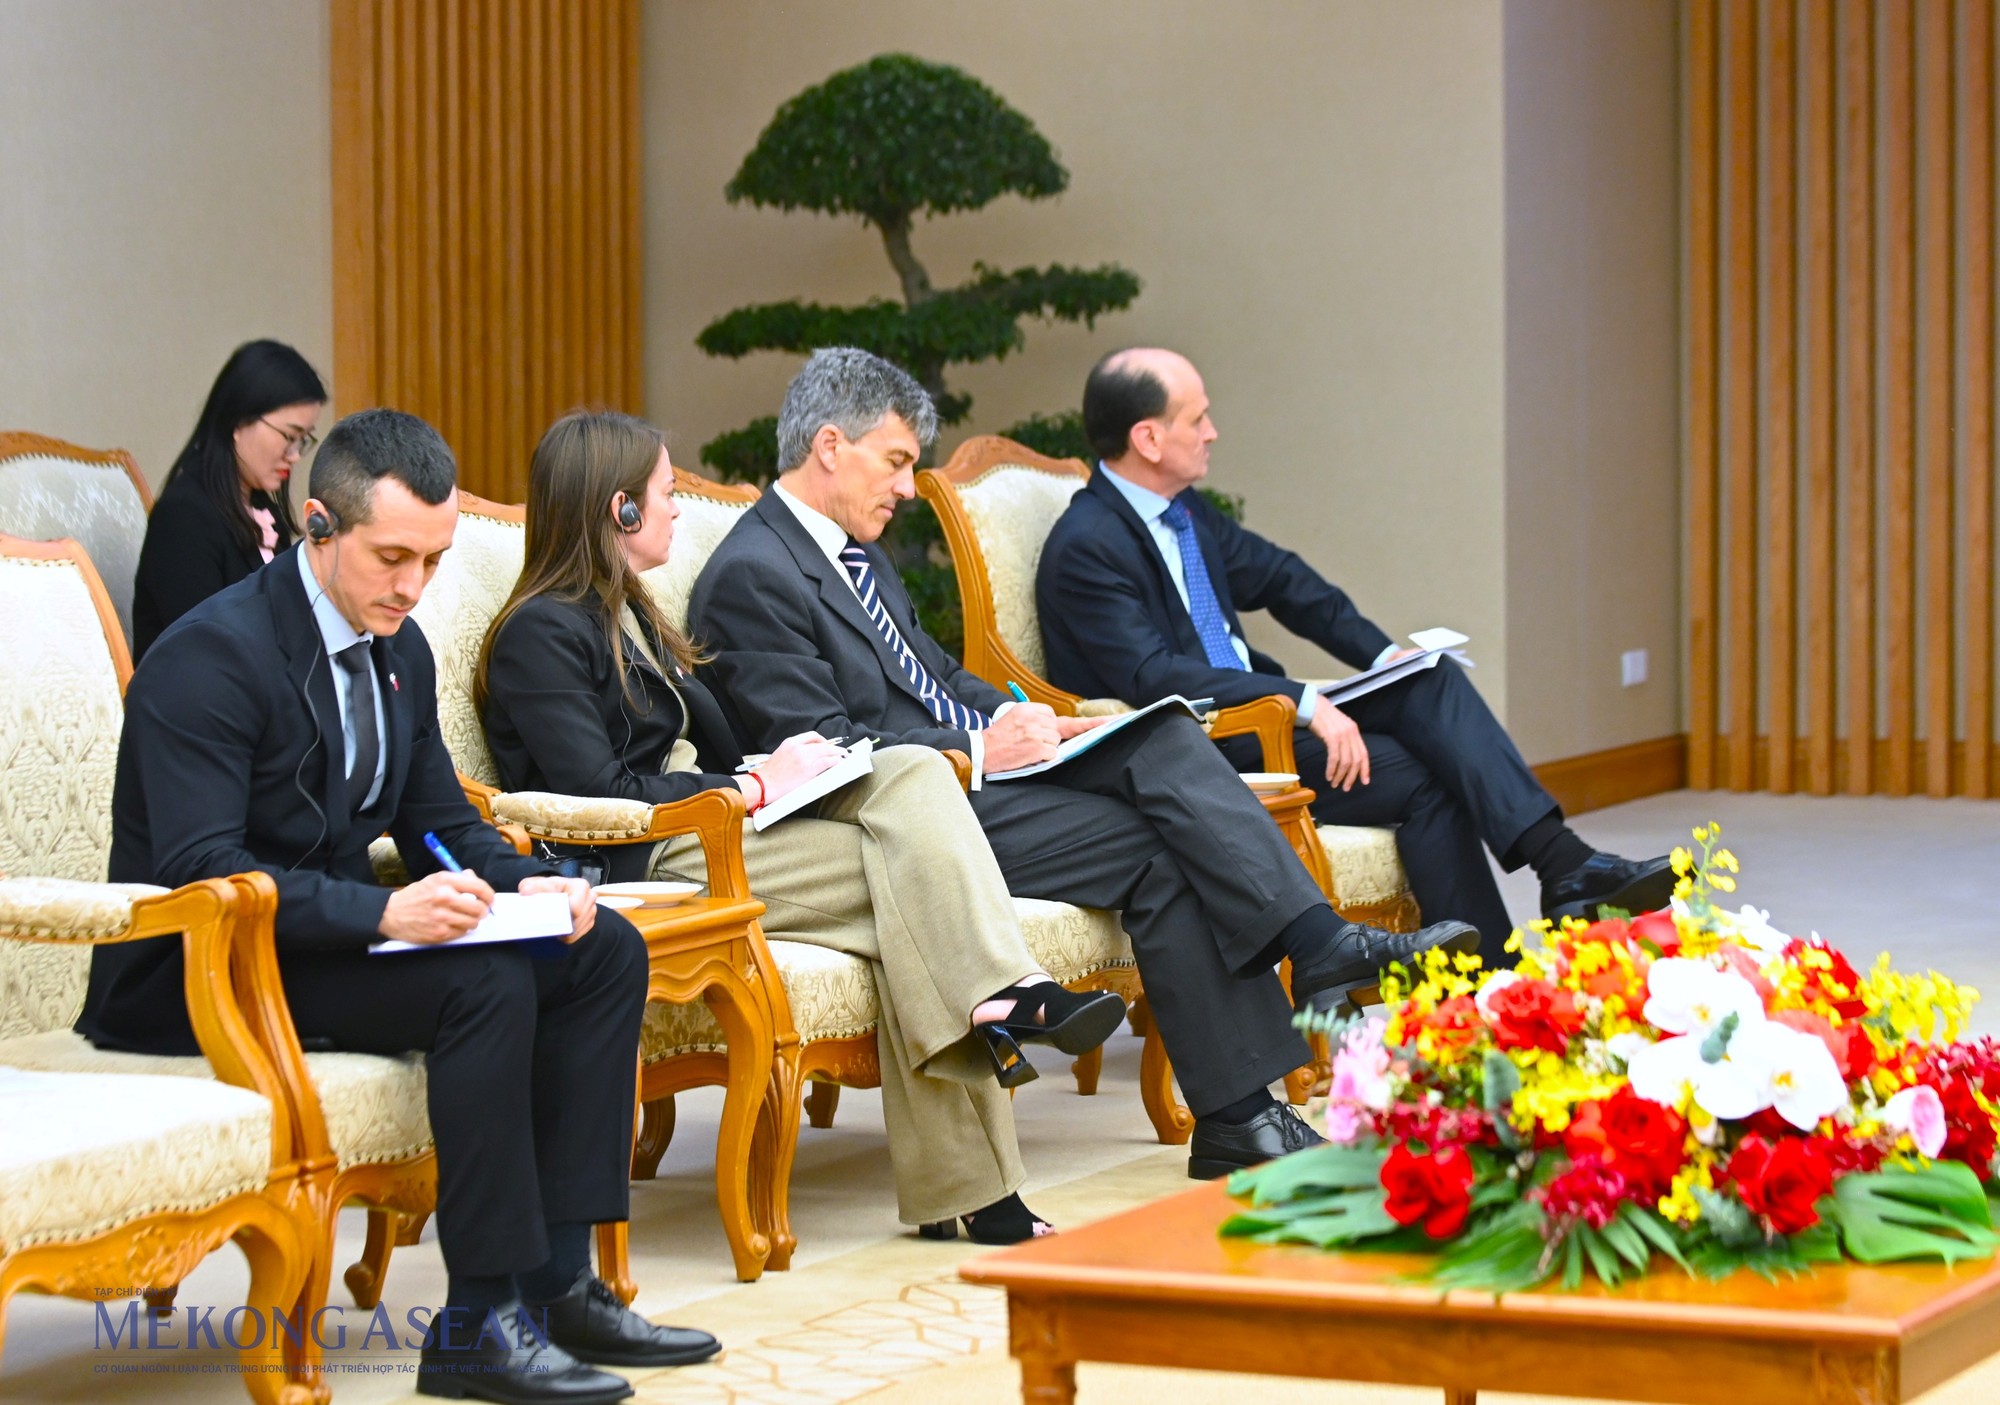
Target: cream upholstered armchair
(997,502)
(95,497)
(357,1123)
(113,1179)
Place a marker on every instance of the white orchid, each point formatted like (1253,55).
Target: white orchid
(1693,997)
(1753,928)
(1798,1073)
(1494,983)
(1672,1069)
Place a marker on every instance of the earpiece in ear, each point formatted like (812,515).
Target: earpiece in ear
(629,519)
(319,524)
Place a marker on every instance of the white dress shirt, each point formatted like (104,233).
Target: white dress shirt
(335,634)
(830,537)
(1151,506)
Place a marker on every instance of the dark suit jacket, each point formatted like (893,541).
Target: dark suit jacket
(232,759)
(557,719)
(188,555)
(795,652)
(1114,625)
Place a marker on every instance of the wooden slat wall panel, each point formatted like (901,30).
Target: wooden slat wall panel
(1839,285)
(486,218)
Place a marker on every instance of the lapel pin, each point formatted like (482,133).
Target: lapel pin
(394,686)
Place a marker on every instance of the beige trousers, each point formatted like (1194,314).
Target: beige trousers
(895,870)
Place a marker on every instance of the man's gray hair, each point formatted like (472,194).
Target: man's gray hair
(854,391)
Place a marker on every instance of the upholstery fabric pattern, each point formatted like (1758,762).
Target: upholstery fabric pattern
(1366,866)
(471,584)
(1071,942)
(386,861)
(703,524)
(573,818)
(832,996)
(60,909)
(43,497)
(376,1108)
(1013,509)
(84,1153)
(1102,707)
(60,714)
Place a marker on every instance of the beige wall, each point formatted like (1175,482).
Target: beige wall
(165,172)
(1423,253)
(1592,474)
(1311,192)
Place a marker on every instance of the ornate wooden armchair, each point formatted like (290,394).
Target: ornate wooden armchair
(997,502)
(359,1127)
(96,497)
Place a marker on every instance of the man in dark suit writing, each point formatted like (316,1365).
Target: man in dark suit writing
(1139,587)
(812,631)
(283,724)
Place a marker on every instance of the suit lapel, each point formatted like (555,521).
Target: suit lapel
(311,672)
(835,592)
(397,712)
(1178,618)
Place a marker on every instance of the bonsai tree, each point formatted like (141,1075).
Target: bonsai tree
(888,140)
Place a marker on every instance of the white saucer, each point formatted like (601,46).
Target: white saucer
(651,894)
(1270,782)
(618,902)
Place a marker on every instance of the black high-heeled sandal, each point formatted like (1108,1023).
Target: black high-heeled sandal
(1003,1222)
(1073,1021)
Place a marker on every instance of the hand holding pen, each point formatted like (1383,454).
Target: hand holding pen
(439,907)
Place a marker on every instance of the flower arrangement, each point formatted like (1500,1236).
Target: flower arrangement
(1690,1084)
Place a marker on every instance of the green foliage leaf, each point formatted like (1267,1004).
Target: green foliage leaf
(1505,1254)
(746,455)
(1326,1222)
(1768,1258)
(1501,1080)
(1938,1211)
(1314,1171)
(1728,1222)
(893,136)
(1655,1231)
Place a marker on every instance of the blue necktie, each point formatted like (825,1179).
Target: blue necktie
(1205,609)
(943,706)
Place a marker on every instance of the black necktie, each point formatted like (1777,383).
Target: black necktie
(361,721)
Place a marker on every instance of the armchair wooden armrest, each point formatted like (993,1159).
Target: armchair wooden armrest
(1270,720)
(714,816)
(207,917)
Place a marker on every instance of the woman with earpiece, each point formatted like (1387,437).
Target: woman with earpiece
(586,688)
(223,511)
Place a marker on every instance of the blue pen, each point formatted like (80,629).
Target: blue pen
(1015,689)
(442,854)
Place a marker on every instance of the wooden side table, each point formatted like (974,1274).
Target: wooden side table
(1158,1287)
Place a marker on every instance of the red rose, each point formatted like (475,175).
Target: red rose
(1455,1021)
(1782,1180)
(1968,1128)
(1659,929)
(1533,1015)
(1644,1141)
(1435,1188)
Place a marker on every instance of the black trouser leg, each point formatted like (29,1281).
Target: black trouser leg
(1435,835)
(531,1055)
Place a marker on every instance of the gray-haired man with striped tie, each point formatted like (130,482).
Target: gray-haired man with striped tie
(811,630)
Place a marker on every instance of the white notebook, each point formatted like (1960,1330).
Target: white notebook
(1434,644)
(516,917)
(858,762)
(1084,741)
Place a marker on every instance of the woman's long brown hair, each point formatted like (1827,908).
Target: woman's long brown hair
(573,552)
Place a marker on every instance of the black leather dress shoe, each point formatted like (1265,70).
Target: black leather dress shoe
(1359,955)
(592,1325)
(506,1359)
(1217,1148)
(1605,880)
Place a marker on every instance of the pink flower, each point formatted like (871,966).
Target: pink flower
(1918,1111)
(1360,1081)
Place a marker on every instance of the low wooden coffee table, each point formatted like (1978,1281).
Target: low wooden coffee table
(1157,1287)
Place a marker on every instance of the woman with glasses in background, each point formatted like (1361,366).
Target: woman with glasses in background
(224,510)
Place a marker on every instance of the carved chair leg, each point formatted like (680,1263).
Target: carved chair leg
(364,1276)
(656,1132)
(410,1228)
(821,1100)
(160,1301)
(751,1045)
(1172,1122)
(773,1148)
(614,1259)
(281,1263)
(1140,1016)
(1299,1085)
(1086,1070)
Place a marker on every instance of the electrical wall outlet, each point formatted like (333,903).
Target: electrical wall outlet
(1632,668)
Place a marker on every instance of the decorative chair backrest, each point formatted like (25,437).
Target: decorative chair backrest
(998,501)
(63,670)
(708,511)
(472,582)
(96,497)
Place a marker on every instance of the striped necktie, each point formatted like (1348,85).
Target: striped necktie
(943,706)
(1203,607)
